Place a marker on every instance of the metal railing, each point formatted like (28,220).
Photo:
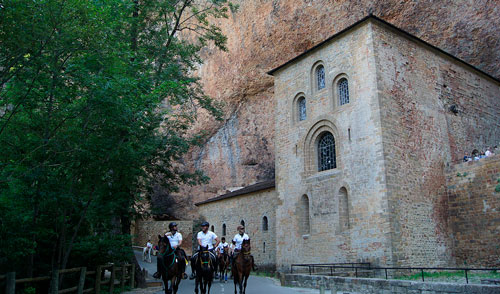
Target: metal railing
(360,267)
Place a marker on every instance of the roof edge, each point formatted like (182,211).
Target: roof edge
(397,29)
(243,191)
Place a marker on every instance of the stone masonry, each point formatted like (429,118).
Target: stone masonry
(474,212)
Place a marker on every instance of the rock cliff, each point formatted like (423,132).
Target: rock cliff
(263,34)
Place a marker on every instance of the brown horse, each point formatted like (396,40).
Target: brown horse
(223,265)
(169,266)
(242,266)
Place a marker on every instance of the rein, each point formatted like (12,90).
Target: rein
(164,254)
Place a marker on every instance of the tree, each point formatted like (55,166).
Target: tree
(96,100)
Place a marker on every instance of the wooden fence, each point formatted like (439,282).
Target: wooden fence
(119,277)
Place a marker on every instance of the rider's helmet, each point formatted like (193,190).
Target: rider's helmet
(205,224)
(171,225)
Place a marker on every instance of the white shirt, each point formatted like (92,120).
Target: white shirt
(222,247)
(149,245)
(488,153)
(207,239)
(174,239)
(239,240)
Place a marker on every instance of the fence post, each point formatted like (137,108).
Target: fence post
(122,280)
(466,277)
(112,279)
(10,283)
(422,275)
(81,282)
(54,282)
(98,279)
(132,276)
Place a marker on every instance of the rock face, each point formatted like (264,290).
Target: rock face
(267,33)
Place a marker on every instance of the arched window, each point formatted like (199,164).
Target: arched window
(212,228)
(326,152)
(301,108)
(343,91)
(264,223)
(303,215)
(320,77)
(242,222)
(264,247)
(343,210)
(223,229)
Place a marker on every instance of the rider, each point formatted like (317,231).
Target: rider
(175,240)
(205,238)
(238,239)
(223,246)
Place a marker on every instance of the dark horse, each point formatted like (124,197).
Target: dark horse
(205,268)
(170,266)
(223,265)
(242,266)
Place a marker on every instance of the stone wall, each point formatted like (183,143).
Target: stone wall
(251,208)
(143,230)
(474,212)
(341,285)
(417,86)
(360,168)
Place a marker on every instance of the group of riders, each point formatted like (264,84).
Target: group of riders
(218,249)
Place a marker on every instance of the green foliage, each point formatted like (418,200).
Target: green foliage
(96,100)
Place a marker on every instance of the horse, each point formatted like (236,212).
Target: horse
(146,254)
(242,265)
(223,265)
(205,268)
(170,266)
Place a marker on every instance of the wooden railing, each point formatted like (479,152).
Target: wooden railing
(126,277)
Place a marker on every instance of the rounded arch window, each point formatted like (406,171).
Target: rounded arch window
(326,152)
(223,229)
(343,91)
(301,108)
(344,223)
(303,215)
(242,222)
(265,223)
(212,228)
(320,77)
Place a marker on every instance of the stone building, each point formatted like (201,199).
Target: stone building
(367,124)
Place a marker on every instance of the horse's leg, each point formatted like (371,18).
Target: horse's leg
(245,284)
(196,281)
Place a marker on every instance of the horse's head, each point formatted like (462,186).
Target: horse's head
(164,244)
(245,246)
(205,257)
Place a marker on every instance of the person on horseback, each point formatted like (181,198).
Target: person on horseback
(223,247)
(205,238)
(175,240)
(238,240)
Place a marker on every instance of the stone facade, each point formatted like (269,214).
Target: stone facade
(144,230)
(393,141)
(473,212)
(251,208)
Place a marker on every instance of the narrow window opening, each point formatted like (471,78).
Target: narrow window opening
(242,222)
(265,223)
(344,223)
(343,89)
(302,108)
(223,229)
(212,228)
(320,77)
(303,215)
(264,247)
(349,133)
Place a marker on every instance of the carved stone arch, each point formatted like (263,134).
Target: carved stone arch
(314,78)
(310,144)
